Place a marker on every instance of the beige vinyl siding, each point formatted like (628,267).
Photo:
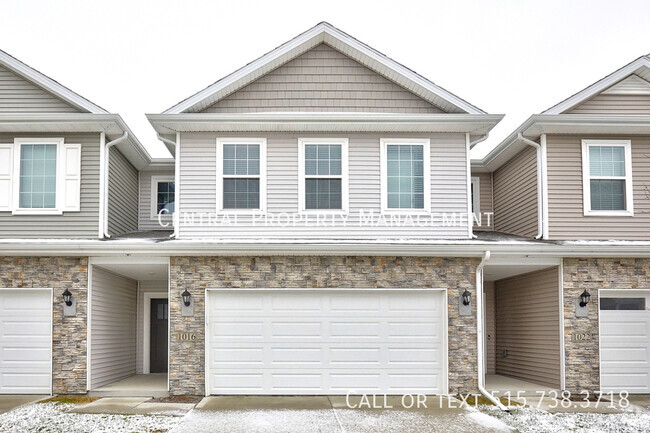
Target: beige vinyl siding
(122,195)
(322,79)
(528,327)
(18,95)
(198,187)
(144,214)
(485,200)
(145,287)
(565,195)
(515,195)
(490,328)
(82,224)
(112,327)
(614,104)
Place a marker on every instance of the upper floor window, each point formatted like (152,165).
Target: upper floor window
(162,195)
(607,177)
(405,175)
(323,174)
(37,188)
(241,174)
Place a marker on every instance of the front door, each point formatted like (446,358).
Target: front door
(159,318)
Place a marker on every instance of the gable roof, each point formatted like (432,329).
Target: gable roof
(341,41)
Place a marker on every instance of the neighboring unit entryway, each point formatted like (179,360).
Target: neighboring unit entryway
(625,341)
(334,341)
(25,341)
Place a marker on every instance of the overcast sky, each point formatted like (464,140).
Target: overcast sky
(512,57)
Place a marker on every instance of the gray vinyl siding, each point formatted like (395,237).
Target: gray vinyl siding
(144,214)
(322,79)
(485,199)
(82,224)
(18,95)
(614,104)
(528,327)
(198,189)
(565,195)
(515,195)
(490,327)
(122,195)
(144,287)
(112,327)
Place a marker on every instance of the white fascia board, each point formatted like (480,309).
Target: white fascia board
(299,45)
(598,86)
(49,84)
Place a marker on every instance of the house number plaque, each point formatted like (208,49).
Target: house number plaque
(186,336)
(580,337)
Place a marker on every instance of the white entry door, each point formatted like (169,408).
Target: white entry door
(326,342)
(625,341)
(25,341)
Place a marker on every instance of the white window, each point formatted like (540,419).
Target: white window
(476,197)
(40,176)
(163,196)
(607,177)
(323,179)
(405,175)
(241,175)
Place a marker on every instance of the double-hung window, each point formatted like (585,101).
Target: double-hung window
(405,175)
(607,177)
(323,174)
(162,196)
(241,174)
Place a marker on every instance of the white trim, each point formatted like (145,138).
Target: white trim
(544,171)
(153,214)
(426,163)
(177,185)
(586,178)
(476,196)
(562,336)
(102,181)
(344,176)
(146,330)
(468,184)
(220,176)
(88,325)
(206,343)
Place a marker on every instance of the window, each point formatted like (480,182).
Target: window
(163,195)
(241,174)
(323,174)
(37,176)
(607,177)
(405,175)
(476,196)
(622,304)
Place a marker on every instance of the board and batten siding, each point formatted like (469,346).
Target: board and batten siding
(528,327)
(614,104)
(322,79)
(490,328)
(112,327)
(565,195)
(145,221)
(198,190)
(18,95)
(515,195)
(485,201)
(82,224)
(145,287)
(122,194)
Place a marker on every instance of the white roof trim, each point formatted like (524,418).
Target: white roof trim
(599,86)
(323,32)
(49,84)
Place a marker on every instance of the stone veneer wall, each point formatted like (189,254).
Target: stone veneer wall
(582,357)
(69,333)
(187,367)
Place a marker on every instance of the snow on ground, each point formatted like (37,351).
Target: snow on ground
(52,418)
(529,420)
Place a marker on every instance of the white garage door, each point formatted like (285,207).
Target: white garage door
(625,341)
(326,342)
(25,341)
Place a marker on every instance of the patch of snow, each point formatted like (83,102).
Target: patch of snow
(488,421)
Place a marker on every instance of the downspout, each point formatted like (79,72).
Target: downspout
(540,181)
(545,221)
(469,144)
(177,177)
(479,333)
(107,156)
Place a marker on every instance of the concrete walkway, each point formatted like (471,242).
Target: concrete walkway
(11,402)
(133,406)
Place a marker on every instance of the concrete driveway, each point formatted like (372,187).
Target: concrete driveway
(332,414)
(10,402)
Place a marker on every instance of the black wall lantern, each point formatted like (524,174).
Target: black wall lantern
(186,297)
(584,298)
(467,297)
(67,297)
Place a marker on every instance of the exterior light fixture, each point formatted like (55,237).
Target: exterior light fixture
(67,297)
(584,298)
(186,298)
(467,297)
